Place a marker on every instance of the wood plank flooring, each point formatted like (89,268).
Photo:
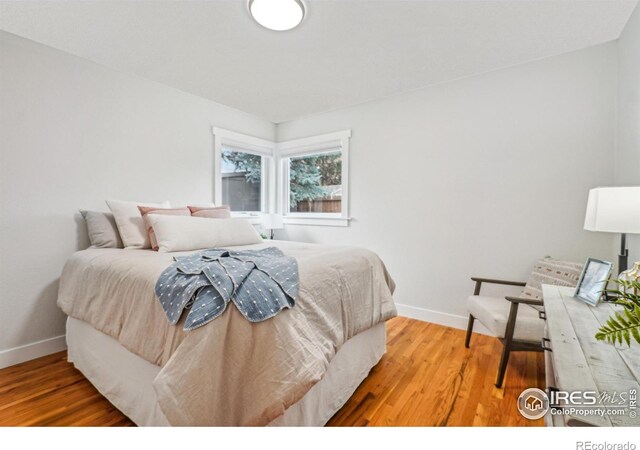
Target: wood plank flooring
(426,378)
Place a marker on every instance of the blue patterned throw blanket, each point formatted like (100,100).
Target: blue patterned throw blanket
(261,283)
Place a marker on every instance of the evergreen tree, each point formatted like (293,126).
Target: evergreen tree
(251,165)
(308,175)
(305,180)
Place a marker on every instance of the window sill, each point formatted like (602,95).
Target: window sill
(317,221)
(252,218)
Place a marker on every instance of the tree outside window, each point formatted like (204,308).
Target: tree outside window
(241,181)
(315,182)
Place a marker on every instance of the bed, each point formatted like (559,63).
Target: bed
(297,368)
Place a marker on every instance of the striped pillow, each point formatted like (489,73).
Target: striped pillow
(551,271)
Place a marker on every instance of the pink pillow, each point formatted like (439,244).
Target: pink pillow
(146,210)
(217,212)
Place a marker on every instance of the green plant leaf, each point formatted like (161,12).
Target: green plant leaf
(636,334)
(625,324)
(621,330)
(621,320)
(625,334)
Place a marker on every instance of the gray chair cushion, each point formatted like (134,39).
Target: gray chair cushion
(493,312)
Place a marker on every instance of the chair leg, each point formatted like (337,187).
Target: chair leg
(469,330)
(508,340)
(504,360)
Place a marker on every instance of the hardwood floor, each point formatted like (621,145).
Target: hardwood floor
(427,378)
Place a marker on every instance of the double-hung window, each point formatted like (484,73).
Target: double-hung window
(244,173)
(313,179)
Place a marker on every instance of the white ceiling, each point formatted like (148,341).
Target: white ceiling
(345,52)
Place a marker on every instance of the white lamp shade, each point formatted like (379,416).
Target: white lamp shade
(614,210)
(272,221)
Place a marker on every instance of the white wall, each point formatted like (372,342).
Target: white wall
(73,134)
(627,157)
(480,176)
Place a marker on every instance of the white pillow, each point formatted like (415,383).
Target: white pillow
(130,224)
(183,233)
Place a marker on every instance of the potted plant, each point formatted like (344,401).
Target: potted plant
(624,324)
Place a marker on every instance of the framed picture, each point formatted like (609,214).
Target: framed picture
(593,281)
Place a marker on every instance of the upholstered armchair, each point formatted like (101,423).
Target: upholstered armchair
(515,321)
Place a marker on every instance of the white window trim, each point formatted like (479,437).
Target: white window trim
(252,145)
(309,146)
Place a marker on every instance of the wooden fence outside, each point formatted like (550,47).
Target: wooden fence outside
(319,206)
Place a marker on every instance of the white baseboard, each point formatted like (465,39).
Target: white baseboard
(34,350)
(446,319)
(57,344)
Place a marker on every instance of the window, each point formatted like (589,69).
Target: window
(315,183)
(313,179)
(305,179)
(244,173)
(241,180)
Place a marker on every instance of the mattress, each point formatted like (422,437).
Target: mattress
(126,379)
(253,372)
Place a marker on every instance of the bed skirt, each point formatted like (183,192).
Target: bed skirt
(125,379)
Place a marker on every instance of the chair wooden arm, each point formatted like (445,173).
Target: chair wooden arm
(480,280)
(526,301)
(492,281)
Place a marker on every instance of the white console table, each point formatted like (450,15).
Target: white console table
(576,361)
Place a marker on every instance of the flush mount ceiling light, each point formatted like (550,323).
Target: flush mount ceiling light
(278,15)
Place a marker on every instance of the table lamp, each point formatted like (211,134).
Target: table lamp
(614,210)
(272,222)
